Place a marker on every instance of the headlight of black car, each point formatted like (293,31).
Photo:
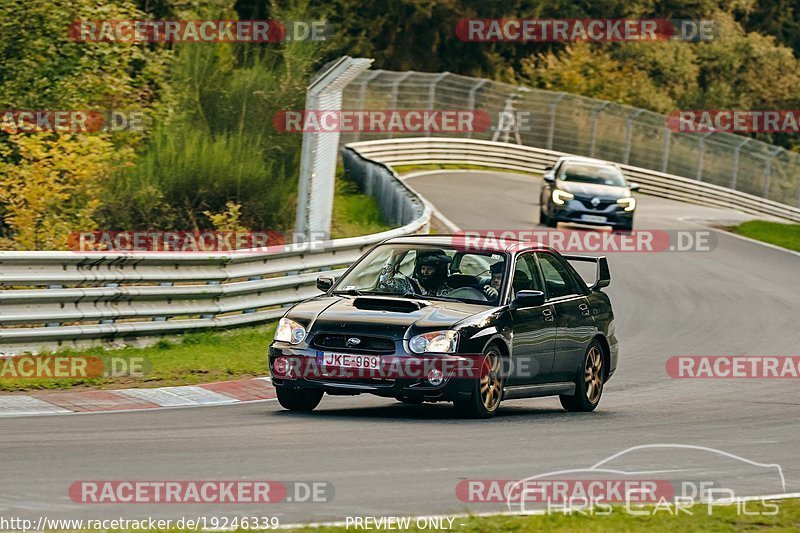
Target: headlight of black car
(290,331)
(444,341)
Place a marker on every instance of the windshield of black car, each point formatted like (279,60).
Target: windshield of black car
(436,272)
(592,173)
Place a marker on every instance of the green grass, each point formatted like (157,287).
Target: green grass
(354,213)
(193,358)
(785,235)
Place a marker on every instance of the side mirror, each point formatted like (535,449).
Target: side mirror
(528,299)
(549,176)
(633,187)
(324,283)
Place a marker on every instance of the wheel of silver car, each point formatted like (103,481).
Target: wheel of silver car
(487,392)
(589,382)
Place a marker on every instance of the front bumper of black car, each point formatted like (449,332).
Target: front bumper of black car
(606,213)
(456,383)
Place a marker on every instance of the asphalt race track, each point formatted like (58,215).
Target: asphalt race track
(387,458)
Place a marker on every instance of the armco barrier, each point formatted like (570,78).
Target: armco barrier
(442,150)
(52,299)
(57,299)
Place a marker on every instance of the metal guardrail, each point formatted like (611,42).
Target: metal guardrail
(441,150)
(61,299)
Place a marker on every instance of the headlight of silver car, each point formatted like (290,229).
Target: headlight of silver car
(560,196)
(435,342)
(290,331)
(628,203)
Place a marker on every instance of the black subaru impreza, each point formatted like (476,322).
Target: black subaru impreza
(445,318)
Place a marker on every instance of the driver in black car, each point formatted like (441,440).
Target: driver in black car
(431,272)
(492,288)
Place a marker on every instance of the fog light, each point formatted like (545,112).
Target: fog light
(435,377)
(280,366)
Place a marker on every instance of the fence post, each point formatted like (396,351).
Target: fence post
(736,153)
(768,170)
(553,106)
(395,88)
(362,95)
(432,94)
(701,148)
(596,111)
(665,157)
(629,133)
(471,98)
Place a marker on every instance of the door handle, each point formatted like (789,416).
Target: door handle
(548,315)
(584,309)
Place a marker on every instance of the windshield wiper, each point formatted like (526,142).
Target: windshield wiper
(412,294)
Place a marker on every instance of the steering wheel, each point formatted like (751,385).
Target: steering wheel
(468,293)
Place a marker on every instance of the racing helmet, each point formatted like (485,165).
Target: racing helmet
(437,259)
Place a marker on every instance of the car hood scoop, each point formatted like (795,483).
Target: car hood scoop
(378,303)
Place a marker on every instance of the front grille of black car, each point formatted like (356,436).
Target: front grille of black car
(367,344)
(587,203)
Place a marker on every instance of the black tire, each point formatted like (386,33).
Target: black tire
(487,390)
(589,382)
(545,220)
(298,399)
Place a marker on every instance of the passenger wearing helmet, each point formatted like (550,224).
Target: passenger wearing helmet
(492,288)
(431,272)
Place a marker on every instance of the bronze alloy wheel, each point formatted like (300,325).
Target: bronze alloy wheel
(593,374)
(491,386)
(589,381)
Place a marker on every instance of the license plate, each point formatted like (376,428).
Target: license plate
(593,218)
(346,360)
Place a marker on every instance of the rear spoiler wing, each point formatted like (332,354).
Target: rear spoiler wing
(603,276)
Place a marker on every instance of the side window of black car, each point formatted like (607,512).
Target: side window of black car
(525,276)
(556,277)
